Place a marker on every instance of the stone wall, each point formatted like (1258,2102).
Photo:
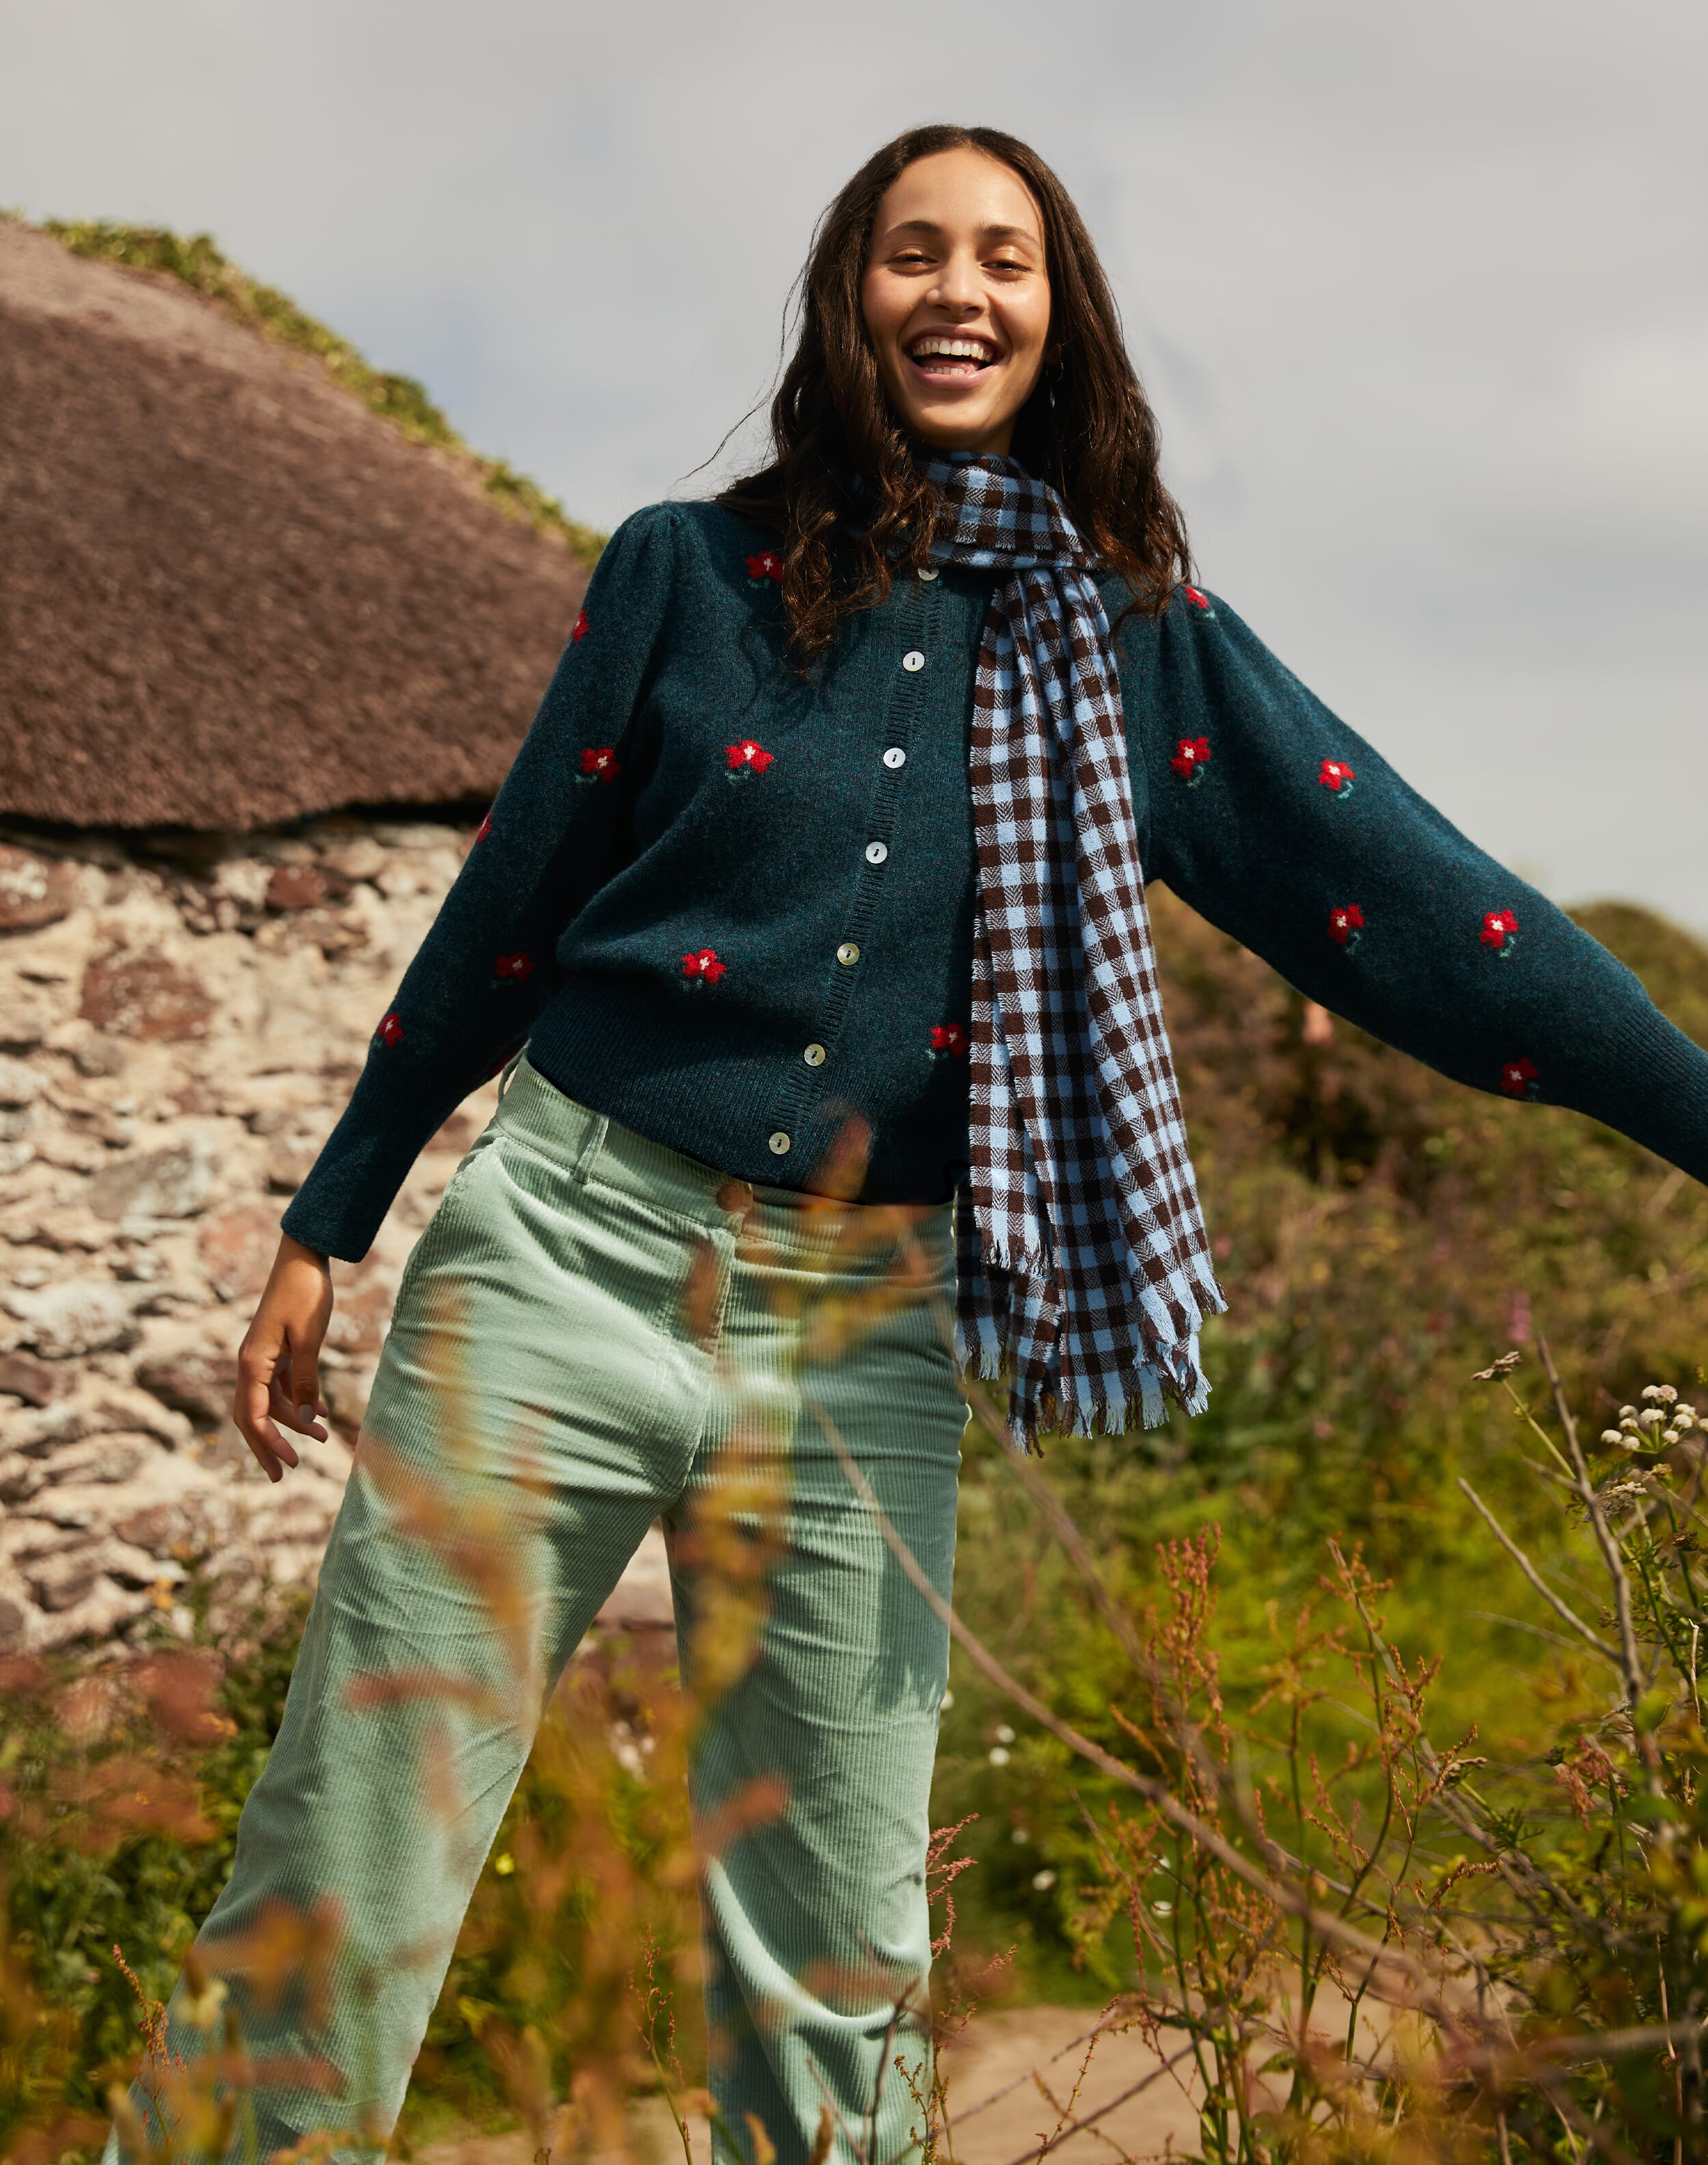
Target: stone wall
(180,1021)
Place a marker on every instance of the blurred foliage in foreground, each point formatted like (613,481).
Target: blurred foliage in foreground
(199,263)
(1382,1233)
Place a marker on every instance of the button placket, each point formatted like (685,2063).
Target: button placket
(795,1098)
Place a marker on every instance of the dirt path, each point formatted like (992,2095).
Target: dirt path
(998,2113)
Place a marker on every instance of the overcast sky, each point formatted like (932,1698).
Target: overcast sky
(1419,292)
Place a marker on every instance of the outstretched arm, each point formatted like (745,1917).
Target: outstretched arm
(1276,822)
(557,832)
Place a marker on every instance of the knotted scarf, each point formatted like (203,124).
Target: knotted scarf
(1084,1270)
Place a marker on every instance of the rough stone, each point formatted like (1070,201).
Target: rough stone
(78,1315)
(296,886)
(163,1183)
(145,997)
(193,1381)
(35,1382)
(236,1249)
(33,890)
(19,1082)
(222,1053)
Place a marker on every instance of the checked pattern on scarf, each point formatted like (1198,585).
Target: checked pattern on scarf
(1084,1273)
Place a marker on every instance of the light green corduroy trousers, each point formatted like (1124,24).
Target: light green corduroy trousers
(583,1325)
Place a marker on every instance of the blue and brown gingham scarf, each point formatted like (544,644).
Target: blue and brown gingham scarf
(1083,1269)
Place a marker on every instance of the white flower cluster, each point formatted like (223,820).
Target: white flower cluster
(1664,1421)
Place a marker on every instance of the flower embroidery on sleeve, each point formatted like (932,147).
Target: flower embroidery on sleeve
(1337,776)
(1499,931)
(599,763)
(512,969)
(1199,601)
(949,1041)
(1191,757)
(1345,925)
(747,758)
(767,567)
(1518,1078)
(700,970)
(390,1029)
(579,629)
(483,829)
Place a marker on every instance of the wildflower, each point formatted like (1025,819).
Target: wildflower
(1614,1438)
(599,763)
(1005,1734)
(1661,1391)
(748,757)
(1044,1881)
(1190,758)
(999,1755)
(504,1865)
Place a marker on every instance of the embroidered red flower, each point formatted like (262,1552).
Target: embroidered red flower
(703,968)
(1517,1077)
(579,629)
(518,967)
(1345,925)
(1198,599)
(748,757)
(484,829)
(599,763)
(1336,776)
(390,1029)
(1190,758)
(767,565)
(949,1037)
(1498,926)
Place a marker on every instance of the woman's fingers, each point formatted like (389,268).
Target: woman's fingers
(273,1452)
(277,1367)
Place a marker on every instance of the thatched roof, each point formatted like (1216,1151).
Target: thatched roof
(231,593)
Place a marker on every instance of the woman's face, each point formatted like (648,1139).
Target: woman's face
(956,298)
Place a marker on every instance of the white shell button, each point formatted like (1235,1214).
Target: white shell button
(848,953)
(814,1055)
(780,1144)
(876,852)
(913,660)
(895,757)
(928,571)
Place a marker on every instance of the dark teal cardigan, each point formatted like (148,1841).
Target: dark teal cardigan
(731,908)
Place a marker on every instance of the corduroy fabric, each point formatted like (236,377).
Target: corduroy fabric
(605,880)
(542,1379)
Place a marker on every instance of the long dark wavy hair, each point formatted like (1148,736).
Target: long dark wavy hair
(841,463)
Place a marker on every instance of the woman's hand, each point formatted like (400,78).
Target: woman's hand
(278,1364)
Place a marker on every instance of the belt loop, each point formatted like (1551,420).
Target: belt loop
(508,1069)
(598,1127)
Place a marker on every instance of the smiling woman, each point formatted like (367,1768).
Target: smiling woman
(956,298)
(811,924)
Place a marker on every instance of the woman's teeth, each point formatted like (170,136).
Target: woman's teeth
(947,357)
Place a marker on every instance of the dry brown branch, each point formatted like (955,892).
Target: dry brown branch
(1568,1615)
(1290,1901)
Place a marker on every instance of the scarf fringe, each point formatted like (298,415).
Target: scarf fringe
(1172,1376)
